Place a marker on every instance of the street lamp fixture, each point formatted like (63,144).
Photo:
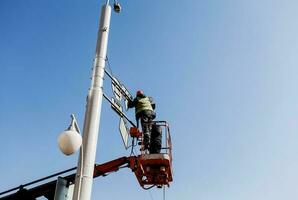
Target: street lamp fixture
(70,140)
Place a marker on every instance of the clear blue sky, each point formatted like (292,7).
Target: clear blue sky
(222,72)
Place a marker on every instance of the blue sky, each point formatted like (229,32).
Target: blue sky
(222,72)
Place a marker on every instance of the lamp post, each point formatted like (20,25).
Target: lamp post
(84,176)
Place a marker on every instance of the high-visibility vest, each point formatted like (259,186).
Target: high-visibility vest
(143,104)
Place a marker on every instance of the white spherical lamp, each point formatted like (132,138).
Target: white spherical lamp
(69,141)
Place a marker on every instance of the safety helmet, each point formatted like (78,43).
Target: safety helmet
(139,93)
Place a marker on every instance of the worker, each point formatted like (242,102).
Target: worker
(144,110)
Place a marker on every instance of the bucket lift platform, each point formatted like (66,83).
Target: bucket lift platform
(154,169)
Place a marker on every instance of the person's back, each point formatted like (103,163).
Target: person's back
(142,104)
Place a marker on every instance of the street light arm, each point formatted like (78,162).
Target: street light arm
(75,123)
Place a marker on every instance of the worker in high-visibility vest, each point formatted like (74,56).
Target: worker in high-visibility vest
(144,110)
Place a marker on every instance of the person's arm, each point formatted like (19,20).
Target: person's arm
(132,104)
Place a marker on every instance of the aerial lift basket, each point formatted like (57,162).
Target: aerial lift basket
(154,169)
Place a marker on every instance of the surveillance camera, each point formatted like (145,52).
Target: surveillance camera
(117,7)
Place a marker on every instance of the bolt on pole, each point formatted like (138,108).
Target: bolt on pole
(84,176)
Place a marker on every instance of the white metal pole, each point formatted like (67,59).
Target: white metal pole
(84,176)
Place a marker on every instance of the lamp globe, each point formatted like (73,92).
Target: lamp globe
(69,141)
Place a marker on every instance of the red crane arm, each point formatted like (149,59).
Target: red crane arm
(112,166)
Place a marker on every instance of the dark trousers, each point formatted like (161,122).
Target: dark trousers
(146,117)
(156,139)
